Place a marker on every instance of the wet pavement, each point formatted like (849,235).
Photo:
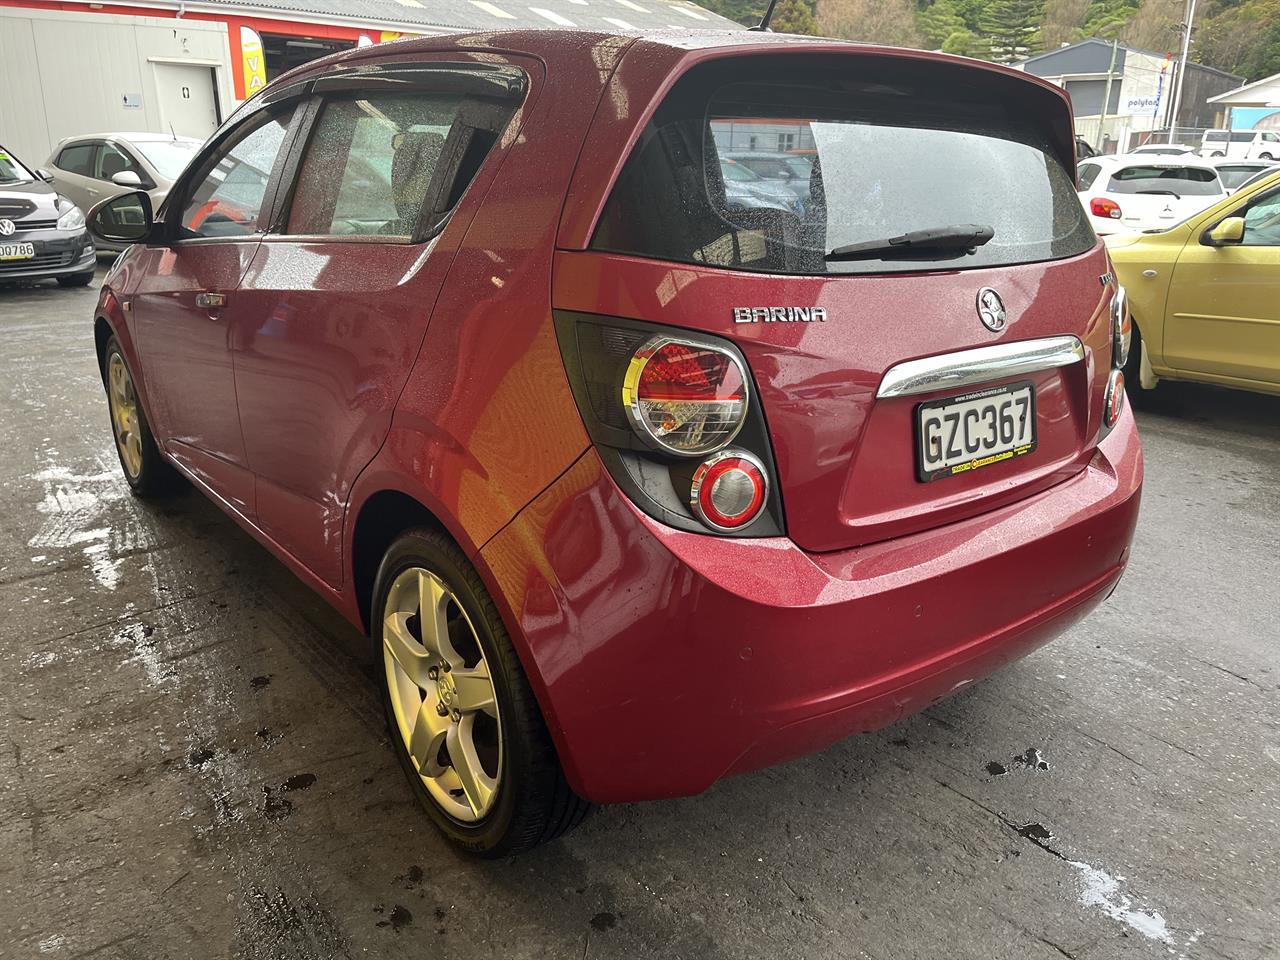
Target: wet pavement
(193,762)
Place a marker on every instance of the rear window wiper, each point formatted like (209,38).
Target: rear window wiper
(939,243)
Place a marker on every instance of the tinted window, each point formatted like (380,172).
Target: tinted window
(1262,222)
(111,160)
(888,149)
(229,191)
(1180,181)
(1088,173)
(1235,174)
(370,164)
(1271,137)
(77,159)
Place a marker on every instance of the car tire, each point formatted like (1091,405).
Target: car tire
(145,468)
(1217,153)
(510,792)
(76,280)
(1266,156)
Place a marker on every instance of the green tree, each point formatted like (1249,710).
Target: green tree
(938,22)
(795,16)
(1011,28)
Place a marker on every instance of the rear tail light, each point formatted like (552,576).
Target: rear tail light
(672,416)
(1113,400)
(684,397)
(728,490)
(1121,328)
(1102,207)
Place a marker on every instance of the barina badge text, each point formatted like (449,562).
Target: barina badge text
(779,314)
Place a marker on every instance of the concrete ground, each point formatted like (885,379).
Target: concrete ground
(193,762)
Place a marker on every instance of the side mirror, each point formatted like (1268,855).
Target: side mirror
(127,178)
(1229,231)
(44,175)
(126,218)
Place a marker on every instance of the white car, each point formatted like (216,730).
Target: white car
(1234,174)
(1241,144)
(1127,193)
(1161,149)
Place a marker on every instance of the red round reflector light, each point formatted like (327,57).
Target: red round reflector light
(684,397)
(729,490)
(1113,399)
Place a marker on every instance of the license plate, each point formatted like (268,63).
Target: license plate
(17,251)
(966,433)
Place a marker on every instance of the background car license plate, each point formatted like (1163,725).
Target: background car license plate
(17,251)
(965,433)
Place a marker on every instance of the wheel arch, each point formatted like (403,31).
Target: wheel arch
(383,516)
(102,334)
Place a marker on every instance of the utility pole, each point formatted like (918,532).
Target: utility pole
(1106,95)
(1182,68)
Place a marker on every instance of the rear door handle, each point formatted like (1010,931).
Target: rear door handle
(211,301)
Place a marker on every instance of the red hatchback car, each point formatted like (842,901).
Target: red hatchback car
(639,473)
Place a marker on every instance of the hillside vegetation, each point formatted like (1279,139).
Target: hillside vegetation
(1239,36)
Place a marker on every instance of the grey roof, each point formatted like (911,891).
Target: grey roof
(1093,55)
(609,16)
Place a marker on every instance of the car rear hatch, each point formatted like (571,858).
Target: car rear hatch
(1162,193)
(853,354)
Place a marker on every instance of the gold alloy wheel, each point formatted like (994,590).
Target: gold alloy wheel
(125,421)
(442,695)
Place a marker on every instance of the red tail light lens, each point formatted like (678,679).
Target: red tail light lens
(685,398)
(1113,399)
(1102,207)
(729,490)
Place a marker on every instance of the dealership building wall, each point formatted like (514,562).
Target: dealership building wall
(65,74)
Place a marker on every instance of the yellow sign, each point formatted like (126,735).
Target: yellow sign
(255,66)
(386,36)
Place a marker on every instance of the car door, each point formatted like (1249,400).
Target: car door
(1223,314)
(112,159)
(341,290)
(186,303)
(73,167)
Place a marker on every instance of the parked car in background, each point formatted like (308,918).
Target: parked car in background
(1236,173)
(746,187)
(786,168)
(1241,144)
(42,233)
(1084,149)
(1203,294)
(1161,150)
(1145,193)
(538,438)
(90,169)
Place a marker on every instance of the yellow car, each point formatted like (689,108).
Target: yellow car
(1205,294)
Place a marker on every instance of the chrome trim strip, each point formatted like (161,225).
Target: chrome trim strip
(966,368)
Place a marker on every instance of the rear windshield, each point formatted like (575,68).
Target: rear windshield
(862,151)
(1180,181)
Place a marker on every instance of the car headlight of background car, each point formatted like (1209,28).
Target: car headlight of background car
(70,217)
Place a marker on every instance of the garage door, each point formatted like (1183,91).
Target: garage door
(188,99)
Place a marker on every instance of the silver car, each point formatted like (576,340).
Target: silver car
(90,169)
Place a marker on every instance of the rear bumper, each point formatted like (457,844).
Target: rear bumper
(666,660)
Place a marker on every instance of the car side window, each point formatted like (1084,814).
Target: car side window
(231,186)
(1088,173)
(77,159)
(112,160)
(370,163)
(1262,222)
